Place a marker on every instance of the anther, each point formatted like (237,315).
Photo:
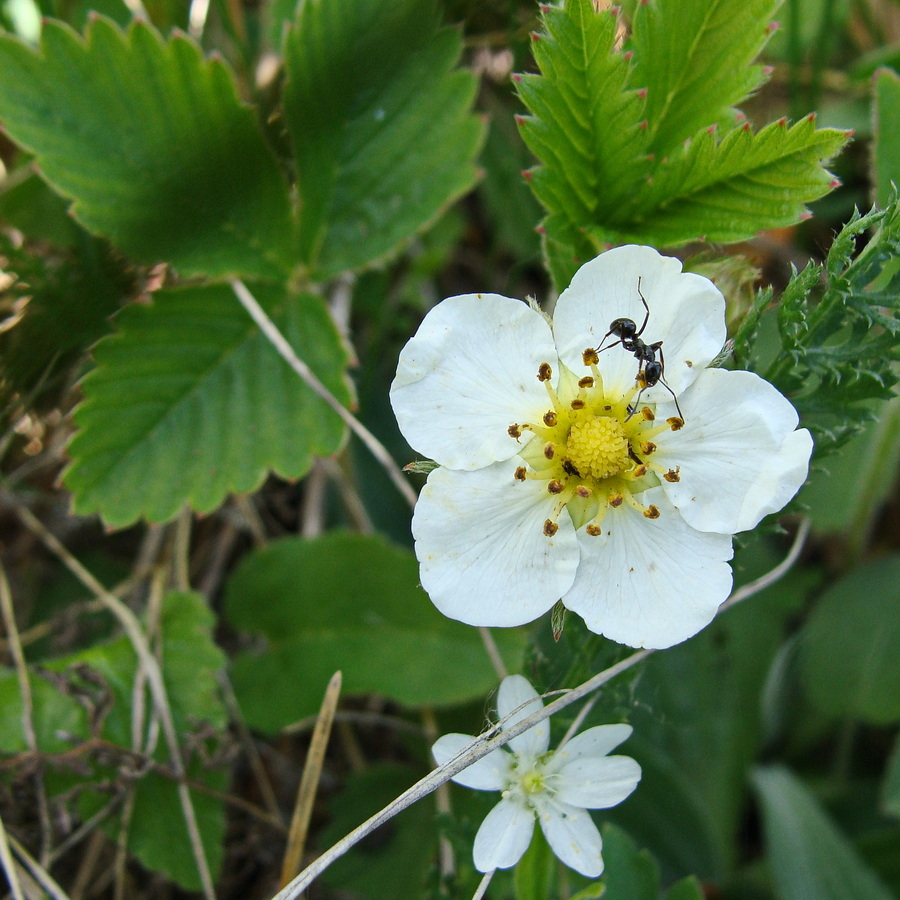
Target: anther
(550,419)
(550,528)
(651,512)
(616,500)
(545,373)
(675,423)
(514,431)
(549,451)
(639,471)
(594,530)
(647,413)
(586,382)
(555,487)
(577,403)
(590,357)
(672,475)
(519,474)
(647,447)
(583,491)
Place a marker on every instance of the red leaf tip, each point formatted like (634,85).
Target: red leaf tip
(641,92)
(527,174)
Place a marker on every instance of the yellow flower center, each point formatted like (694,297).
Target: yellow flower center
(598,447)
(594,450)
(532,782)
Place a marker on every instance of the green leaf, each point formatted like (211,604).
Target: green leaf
(694,58)
(839,346)
(66,301)
(887,134)
(381,126)
(727,189)
(629,873)
(809,858)
(397,863)
(152,145)
(167,848)
(585,123)
(533,873)
(622,151)
(890,790)
(202,403)
(849,662)
(686,889)
(31,206)
(848,493)
(382,632)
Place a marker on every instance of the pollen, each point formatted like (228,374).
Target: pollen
(595,451)
(598,447)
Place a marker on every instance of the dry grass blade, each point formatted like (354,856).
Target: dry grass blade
(9,865)
(18,655)
(136,636)
(309,782)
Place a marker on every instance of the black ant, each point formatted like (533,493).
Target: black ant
(651,371)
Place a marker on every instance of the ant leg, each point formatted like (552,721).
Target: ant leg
(646,307)
(600,348)
(662,379)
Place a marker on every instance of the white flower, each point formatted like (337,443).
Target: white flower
(562,477)
(556,787)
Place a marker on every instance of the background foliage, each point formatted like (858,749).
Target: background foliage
(354,161)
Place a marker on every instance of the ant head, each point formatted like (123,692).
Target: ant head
(623,328)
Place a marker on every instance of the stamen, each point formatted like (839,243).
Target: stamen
(651,512)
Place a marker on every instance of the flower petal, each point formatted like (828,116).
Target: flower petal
(518,700)
(484,557)
(739,455)
(490,773)
(573,837)
(467,374)
(598,782)
(650,582)
(503,837)
(687,313)
(596,741)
